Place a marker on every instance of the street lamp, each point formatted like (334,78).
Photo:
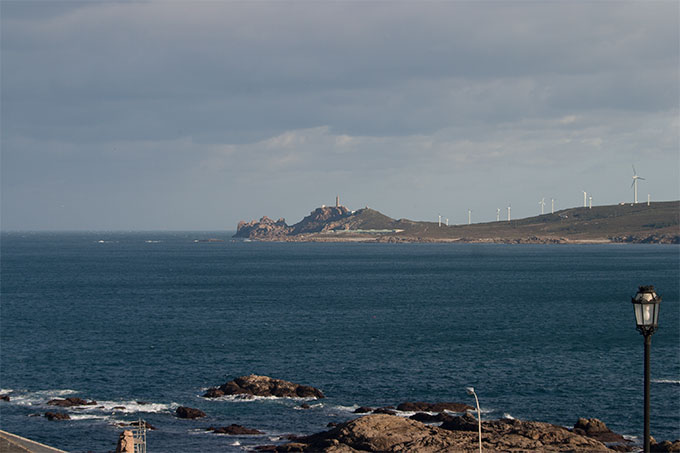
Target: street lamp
(646,307)
(471,391)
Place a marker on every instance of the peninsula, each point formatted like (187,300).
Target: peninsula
(657,223)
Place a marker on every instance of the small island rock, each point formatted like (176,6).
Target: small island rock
(254,385)
(70,402)
(189,412)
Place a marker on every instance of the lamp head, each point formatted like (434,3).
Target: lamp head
(646,308)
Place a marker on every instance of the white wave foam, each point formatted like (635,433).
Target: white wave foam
(507,416)
(346,408)
(131,407)
(5,391)
(40,397)
(666,381)
(88,417)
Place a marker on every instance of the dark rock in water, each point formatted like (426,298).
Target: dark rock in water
(189,412)
(378,432)
(143,402)
(331,425)
(363,410)
(254,385)
(4,397)
(57,416)
(69,402)
(234,430)
(665,446)
(428,418)
(419,406)
(596,429)
(143,423)
(213,392)
(304,406)
(389,410)
(118,408)
(465,422)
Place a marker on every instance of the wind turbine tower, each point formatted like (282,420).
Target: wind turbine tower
(447,221)
(498,214)
(634,185)
(469,216)
(508,213)
(542,205)
(585,195)
(591,202)
(552,209)
(440,220)
(648,199)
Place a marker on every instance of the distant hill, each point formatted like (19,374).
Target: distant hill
(657,223)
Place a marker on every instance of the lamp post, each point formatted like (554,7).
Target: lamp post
(646,307)
(471,391)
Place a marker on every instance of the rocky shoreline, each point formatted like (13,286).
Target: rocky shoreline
(408,426)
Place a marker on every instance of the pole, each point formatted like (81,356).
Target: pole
(648,344)
(479,422)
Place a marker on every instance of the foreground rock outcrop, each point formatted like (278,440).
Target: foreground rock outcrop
(387,433)
(592,427)
(254,385)
(664,447)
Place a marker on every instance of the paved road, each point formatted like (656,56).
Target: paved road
(10,443)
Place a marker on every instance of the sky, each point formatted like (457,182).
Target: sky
(193,115)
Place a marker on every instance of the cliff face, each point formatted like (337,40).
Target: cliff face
(265,228)
(319,220)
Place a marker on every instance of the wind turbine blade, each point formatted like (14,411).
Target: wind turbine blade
(634,172)
(633,183)
(640,177)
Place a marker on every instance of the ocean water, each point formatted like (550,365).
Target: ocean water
(145,322)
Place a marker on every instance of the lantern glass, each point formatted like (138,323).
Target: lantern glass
(646,306)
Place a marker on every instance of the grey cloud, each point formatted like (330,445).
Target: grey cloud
(163,103)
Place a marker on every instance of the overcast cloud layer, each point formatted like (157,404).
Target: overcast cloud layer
(194,115)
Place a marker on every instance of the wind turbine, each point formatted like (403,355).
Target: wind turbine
(552,202)
(440,220)
(469,216)
(542,205)
(591,202)
(498,214)
(509,213)
(585,196)
(634,185)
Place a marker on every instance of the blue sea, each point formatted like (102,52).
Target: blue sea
(145,322)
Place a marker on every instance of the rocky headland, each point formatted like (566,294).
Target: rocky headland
(658,223)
